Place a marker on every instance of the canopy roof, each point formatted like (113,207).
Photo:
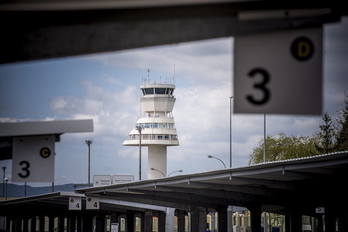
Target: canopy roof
(304,183)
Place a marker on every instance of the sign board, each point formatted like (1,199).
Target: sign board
(101,180)
(320,210)
(75,203)
(279,72)
(119,179)
(92,203)
(33,159)
(114,227)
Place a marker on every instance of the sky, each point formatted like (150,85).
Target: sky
(106,88)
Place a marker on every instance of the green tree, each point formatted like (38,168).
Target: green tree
(326,137)
(342,132)
(282,147)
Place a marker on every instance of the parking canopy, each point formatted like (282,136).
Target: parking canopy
(303,184)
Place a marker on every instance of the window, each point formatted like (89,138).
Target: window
(160,90)
(148,91)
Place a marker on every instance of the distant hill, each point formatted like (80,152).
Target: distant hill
(14,190)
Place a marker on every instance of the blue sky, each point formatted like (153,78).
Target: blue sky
(105,87)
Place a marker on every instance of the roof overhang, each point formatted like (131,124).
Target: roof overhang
(37,128)
(70,27)
(304,183)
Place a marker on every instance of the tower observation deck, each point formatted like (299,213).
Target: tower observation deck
(158,127)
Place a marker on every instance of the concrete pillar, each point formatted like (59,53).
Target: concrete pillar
(61,223)
(229,218)
(222,218)
(130,227)
(170,220)
(41,223)
(161,221)
(181,220)
(87,223)
(25,224)
(79,223)
(51,223)
(320,223)
(293,221)
(100,222)
(330,221)
(255,218)
(147,218)
(343,221)
(199,219)
(33,223)
(71,223)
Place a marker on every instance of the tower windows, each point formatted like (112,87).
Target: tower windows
(163,91)
(157,125)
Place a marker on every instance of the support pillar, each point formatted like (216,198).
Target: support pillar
(147,216)
(181,220)
(293,221)
(255,218)
(71,223)
(130,227)
(33,223)
(330,221)
(199,219)
(25,224)
(50,223)
(229,218)
(222,218)
(41,223)
(161,221)
(87,223)
(61,223)
(100,222)
(170,220)
(343,221)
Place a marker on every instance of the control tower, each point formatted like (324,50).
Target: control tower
(157,126)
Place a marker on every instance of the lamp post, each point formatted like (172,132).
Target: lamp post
(89,142)
(231,98)
(139,128)
(3,179)
(174,172)
(210,156)
(154,169)
(6,179)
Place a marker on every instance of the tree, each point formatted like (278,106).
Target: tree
(326,137)
(342,133)
(283,147)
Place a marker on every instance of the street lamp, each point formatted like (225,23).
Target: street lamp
(139,128)
(89,142)
(3,180)
(154,169)
(210,156)
(231,131)
(174,172)
(6,179)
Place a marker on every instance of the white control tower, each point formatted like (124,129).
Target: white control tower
(157,126)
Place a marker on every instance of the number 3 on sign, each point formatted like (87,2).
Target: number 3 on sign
(25,169)
(261,86)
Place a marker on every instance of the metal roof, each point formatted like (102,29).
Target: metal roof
(305,183)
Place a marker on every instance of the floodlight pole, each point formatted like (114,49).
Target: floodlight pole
(89,142)
(139,128)
(3,180)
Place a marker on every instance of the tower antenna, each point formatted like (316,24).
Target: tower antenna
(148,75)
(174,75)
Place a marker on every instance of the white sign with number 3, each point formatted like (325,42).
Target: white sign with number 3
(279,72)
(33,159)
